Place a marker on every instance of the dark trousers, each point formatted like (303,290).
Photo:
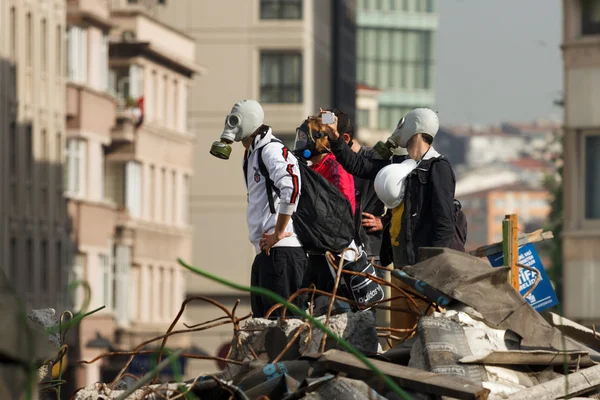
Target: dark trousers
(281,272)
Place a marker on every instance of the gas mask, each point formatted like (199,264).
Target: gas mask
(419,120)
(305,144)
(243,120)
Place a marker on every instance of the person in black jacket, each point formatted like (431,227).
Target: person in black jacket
(426,215)
(371,216)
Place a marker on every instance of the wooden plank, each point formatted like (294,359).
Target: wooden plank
(576,358)
(579,383)
(409,378)
(513,247)
(495,248)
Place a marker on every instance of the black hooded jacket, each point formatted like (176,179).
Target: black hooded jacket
(428,219)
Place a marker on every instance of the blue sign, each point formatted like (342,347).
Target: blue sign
(543,295)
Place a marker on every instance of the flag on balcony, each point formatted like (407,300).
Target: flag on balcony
(139,112)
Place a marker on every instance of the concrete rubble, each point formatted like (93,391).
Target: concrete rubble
(485,343)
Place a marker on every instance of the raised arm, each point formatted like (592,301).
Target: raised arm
(353,163)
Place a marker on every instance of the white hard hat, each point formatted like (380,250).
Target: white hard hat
(419,120)
(389,182)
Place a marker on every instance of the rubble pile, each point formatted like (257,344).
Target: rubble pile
(486,343)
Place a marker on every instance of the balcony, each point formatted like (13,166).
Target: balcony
(89,110)
(94,12)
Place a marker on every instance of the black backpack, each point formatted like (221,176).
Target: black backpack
(323,219)
(459,239)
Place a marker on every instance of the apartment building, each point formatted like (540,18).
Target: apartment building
(129,166)
(581,179)
(293,56)
(34,228)
(486,209)
(395,54)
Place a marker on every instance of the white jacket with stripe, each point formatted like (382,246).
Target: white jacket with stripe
(283,170)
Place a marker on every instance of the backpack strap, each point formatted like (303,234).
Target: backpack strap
(270,186)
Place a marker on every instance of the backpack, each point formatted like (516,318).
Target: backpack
(323,219)
(459,238)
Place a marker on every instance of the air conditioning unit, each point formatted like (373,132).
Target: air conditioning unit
(128,36)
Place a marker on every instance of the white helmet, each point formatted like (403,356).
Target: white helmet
(243,120)
(389,182)
(419,120)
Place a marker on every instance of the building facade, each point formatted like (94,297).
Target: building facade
(34,227)
(129,166)
(395,54)
(293,56)
(581,179)
(486,209)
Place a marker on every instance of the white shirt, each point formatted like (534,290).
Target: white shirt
(283,170)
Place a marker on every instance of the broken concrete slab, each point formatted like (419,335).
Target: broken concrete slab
(358,328)
(45,319)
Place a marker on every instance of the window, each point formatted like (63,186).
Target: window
(185,200)
(60,178)
(174,197)
(44,266)
(44,175)
(394,59)
(76,167)
(59,40)
(152,193)
(590,17)
(30,265)
(103,61)
(592,177)
(13,33)
(77,57)
(59,267)
(363,118)
(163,194)
(13,261)
(29,169)
(44,46)
(127,82)
(281,77)
(108,281)
(13,150)
(281,9)
(133,188)
(29,42)
(175,109)
(167,101)
(28,153)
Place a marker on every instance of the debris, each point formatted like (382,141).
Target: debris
(579,383)
(410,378)
(486,343)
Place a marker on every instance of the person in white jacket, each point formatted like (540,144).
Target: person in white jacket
(280,262)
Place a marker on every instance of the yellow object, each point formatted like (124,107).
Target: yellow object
(56,367)
(396,224)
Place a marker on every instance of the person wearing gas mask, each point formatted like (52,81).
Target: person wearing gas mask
(280,262)
(425,216)
(312,144)
(371,214)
